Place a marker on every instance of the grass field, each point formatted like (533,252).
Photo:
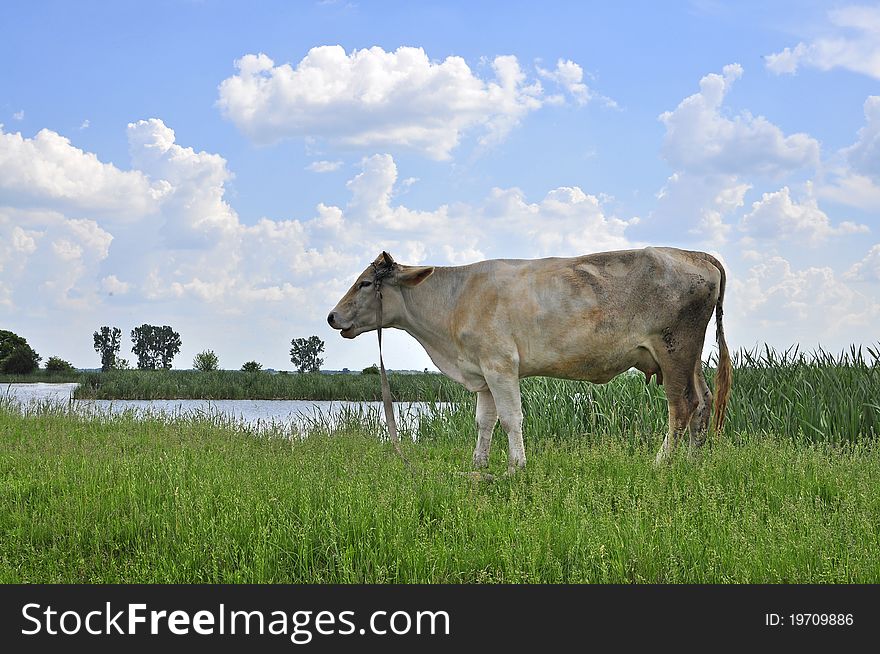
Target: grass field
(787,494)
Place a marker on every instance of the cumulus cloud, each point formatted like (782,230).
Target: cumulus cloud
(112,285)
(777,216)
(378,99)
(868,269)
(852,190)
(194,211)
(694,207)
(47,170)
(701,139)
(855,181)
(852,44)
(570,76)
(864,154)
(779,303)
(567,221)
(47,255)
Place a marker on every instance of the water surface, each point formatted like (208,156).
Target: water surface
(256,413)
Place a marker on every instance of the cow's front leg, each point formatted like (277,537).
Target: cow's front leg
(505,392)
(487,416)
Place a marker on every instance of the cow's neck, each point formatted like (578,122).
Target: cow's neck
(425,316)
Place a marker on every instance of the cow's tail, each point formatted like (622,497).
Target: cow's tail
(724,371)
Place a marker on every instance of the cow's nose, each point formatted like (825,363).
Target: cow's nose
(332,319)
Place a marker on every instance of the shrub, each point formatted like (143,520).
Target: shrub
(252,366)
(57,364)
(371,370)
(206,361)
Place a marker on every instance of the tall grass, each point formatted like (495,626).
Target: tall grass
(43,376)
(199,499)
(238,385)
(809,396)
(816,395)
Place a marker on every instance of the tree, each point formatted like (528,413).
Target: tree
(107,342)
(304,353)
(252,366)
(154,346)
(370,370)
(57,364)
(16,356)
(206,361)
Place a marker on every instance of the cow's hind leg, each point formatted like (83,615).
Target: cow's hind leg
(681,395)
(487,416)
(699,425)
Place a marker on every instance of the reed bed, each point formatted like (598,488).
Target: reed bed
(238,385)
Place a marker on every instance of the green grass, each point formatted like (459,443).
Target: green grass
(206,500)
(44,377)
(237,385)
(787,494)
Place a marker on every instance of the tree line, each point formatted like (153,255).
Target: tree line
(155,348)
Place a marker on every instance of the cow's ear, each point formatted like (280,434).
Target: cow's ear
(414,275)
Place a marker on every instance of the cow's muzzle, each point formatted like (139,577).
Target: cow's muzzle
(346,332)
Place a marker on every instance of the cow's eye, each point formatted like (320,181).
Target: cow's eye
(365,283)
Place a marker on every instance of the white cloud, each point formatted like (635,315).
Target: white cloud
(371,98)
(852,190)
(194,211)
(777,216)
(868,269)
(84,124)
(853,44)
(701,139)
(773,302)
(48,258)
(570,76)
(47,170)
(856,181)
(566,221)
(694,207)
(864,154)
(112,285)
(324,166)
(18,115)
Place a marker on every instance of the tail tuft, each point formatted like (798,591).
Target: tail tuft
(724,372)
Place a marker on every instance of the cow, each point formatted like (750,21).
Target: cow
(488,324)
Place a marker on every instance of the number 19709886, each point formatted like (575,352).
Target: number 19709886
(820,619)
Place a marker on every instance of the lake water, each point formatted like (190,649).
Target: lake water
(256,413)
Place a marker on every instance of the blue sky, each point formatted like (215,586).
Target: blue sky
(228,168)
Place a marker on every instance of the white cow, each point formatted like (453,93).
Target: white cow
(489,324)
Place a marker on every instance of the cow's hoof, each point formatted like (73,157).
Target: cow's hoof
(514,466)
(481,460)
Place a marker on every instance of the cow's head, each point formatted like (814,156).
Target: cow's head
(357,311)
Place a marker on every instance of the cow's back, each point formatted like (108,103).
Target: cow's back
(581,317)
